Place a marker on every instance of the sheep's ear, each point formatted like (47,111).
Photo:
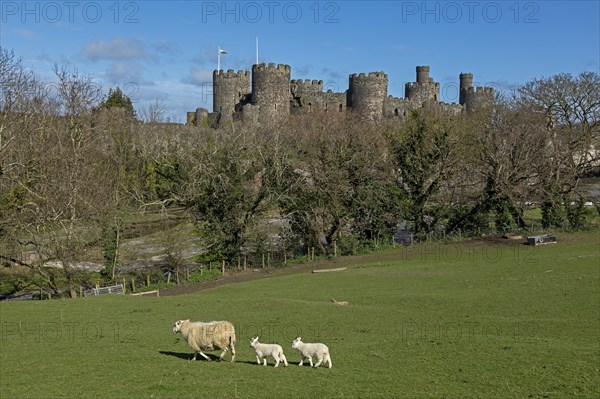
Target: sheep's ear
(186,320)
(256,338)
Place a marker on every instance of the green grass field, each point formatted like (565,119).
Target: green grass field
(473,319)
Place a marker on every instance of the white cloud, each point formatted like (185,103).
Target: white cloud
(123,72)
(25,34)
(117,49)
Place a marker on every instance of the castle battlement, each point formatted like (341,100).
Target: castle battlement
(307,83)
(231,74)
(369,76)
(480,90)
(417,85)
(272,67)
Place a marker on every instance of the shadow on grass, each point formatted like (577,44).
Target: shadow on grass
(189,356)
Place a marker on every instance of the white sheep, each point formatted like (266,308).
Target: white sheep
(202,336)
(321,351)
(264,350)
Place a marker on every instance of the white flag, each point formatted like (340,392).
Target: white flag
(221,51)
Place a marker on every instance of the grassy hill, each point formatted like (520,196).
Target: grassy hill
(475,319)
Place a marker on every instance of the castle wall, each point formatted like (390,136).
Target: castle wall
(271,91)
(228,90)
(396,107)
(366,94)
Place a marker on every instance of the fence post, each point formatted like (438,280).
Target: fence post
(285,257)
(335,249)
(148,280)
(268,259)
(238,264)
(133,284)
(223,267)
(124,286)
(263,261)
(168,277)
(245,262)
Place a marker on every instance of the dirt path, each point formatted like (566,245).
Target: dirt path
(234,277)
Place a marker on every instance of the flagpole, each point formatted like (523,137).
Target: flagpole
(219,60)
(257,51)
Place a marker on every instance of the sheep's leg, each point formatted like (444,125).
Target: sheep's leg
(310,361)
(320,360)
(257,360)
(283,358)
(223,354)
(276,361)
(232,352)
(301,361)
(204,356)
(264,361)
(329,361)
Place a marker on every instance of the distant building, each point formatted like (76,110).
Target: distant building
(272,96)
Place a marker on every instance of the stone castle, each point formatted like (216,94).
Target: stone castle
(272,96)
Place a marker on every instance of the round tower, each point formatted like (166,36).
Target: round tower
(366,94)
(422,74)
(228,90)
(424,90)
(271,90)
(466,81)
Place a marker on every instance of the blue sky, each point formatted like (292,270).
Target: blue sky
(167,50)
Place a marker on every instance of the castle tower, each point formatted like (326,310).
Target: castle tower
(466,81)
(271,91)
(423,74)
(478,97)
(472,98)
(228,90)
(424,90)
(366,94)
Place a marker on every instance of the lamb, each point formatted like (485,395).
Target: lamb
(202,336)
(321,351)
(264,350)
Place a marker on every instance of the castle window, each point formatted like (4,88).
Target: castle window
(396,113)
(326,107)
(341,107)
(309,107)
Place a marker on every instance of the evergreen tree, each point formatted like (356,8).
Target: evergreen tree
(117,99)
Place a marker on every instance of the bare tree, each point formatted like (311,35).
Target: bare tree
(154,112)
(571,107)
